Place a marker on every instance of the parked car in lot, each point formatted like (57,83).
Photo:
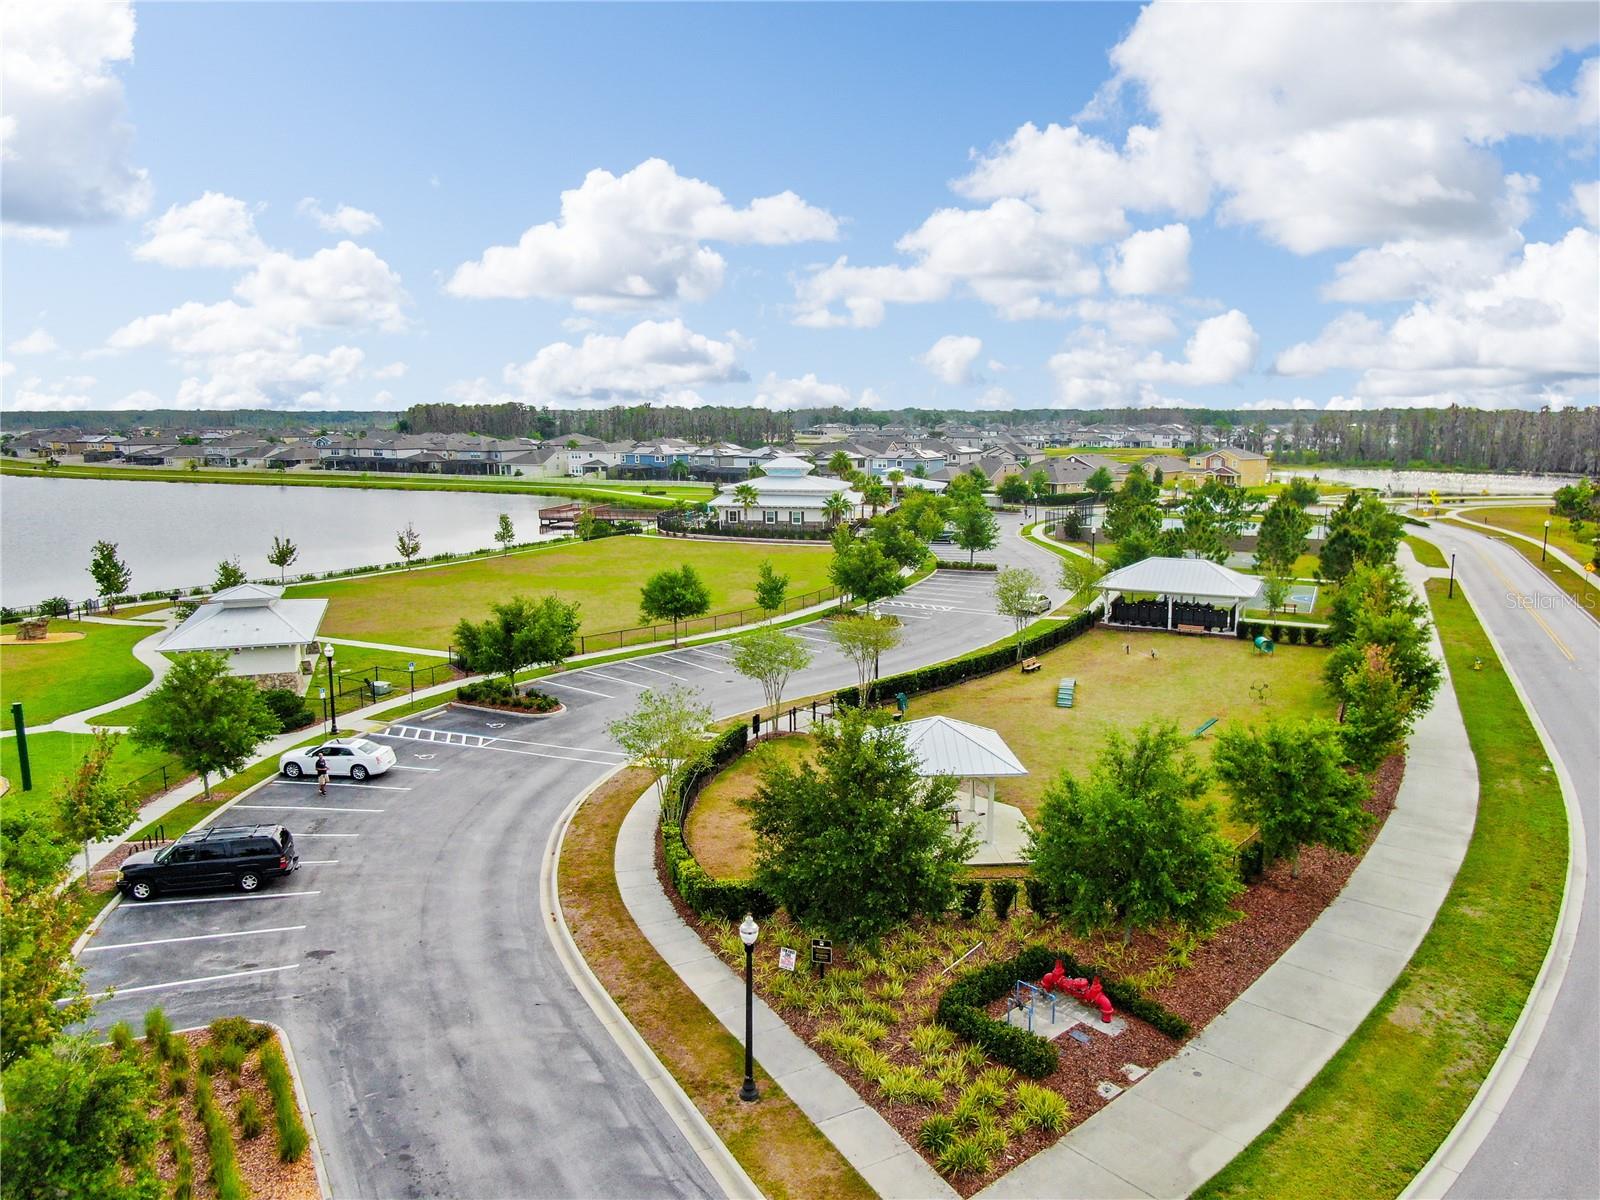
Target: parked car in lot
(241,856)
(1038,603)
(356,757)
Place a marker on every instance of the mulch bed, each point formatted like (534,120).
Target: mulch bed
(1277,910)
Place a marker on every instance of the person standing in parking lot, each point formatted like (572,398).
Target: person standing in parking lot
(322,776)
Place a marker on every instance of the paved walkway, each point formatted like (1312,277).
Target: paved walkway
(885,1160)
(1190,1116)
(144,651)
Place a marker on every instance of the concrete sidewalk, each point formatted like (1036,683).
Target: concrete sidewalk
(1190,1116)
(885,1160)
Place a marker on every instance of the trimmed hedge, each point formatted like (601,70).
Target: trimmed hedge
(984,662)
(961,1009)
(942,565)
(703,892)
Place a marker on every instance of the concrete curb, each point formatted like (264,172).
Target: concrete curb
(697,1131)
(1440,1172)
(317,1163)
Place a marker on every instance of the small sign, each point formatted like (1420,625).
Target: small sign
(786,958)
(821,950)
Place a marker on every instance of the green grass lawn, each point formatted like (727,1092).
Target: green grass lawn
(422,607)
(56,678)
(1427,553)
(1380,1108)
(1530,520)
(53,756)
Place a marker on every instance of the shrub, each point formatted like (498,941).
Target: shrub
(872,1064)
(292,1137)
(970,899)
(157,1029)
(206,1060)
(232,1058)
(963,1156)
(289,707)
(122,1038)
(225,1175)
(55,606)
(1040,901)
(908,1085)
(936,1133)
(498,693)
(929,1040)
(1002,895)
(250,1122)
(708,896)
(236,1031)
(182,1157)
(1038,1108)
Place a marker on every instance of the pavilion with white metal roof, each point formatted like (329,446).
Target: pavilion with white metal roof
(971,753)
(1191,592)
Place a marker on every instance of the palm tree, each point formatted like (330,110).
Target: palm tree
(748,497)
(895,477)
(839,465)
(876,495)
(835,509)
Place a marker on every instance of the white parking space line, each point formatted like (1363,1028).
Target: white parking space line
(679,660)
(442,737)
(908,616)
(503,749)
(346,835)
(196,937)
(616,679)
(559,746)
(653,671)
(721,658)
(575,688)
(977,612)
(308,808)
(366,787)
(156,987)
(319,862)
(403,767)
(217,899)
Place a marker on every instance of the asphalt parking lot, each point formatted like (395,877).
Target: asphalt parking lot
(443,1048)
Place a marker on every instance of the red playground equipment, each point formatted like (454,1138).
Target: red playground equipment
(1090,992)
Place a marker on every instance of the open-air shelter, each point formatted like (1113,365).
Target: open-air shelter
(1187,594)
(972,754)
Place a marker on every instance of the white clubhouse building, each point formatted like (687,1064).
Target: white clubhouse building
(787,494)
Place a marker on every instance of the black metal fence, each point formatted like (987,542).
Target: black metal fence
(357,689)
(642,635)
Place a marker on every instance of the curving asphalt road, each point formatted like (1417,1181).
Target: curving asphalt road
(443,1048)
(1546,1142)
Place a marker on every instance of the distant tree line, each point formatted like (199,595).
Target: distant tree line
(1472,439)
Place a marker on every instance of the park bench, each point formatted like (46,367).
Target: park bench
(1201,732)
(1192,629)
(1030,665)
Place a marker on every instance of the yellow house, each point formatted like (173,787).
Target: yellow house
(1230,465)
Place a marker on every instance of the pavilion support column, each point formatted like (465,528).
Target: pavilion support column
(988,836)
(972,795)
(1169,614)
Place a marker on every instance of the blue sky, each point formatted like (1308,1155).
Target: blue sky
(999,206)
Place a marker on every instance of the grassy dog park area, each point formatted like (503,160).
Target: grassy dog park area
(422,607)
(92,664)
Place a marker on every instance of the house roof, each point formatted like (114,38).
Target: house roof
(249,616)
(945,746)
(1196,577)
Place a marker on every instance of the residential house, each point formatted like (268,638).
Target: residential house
(1232,466)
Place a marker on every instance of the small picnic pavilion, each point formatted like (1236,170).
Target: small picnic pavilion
(975,756)
(1186,595)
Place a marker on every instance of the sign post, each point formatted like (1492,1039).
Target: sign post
(20,725)
(786,958)
(821,955)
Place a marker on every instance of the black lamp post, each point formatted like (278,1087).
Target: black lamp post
(1452,594)
(749,931)
(1091,541)
(412,667)
(1546,544)
(333,694)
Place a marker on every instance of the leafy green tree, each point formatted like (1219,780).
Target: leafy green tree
(229,574)
(861,569)
(746,496)
(1378,711)
(923,513)
(32,855)
(77,1123)
(1014,490)
(1300,491)
(900,542)
(1132,509)
(1368,592)
(857,842)
(1282,536)
(864,640)
(519,633)
(1133,845)
(963,489)
(41,988)
(666,728)
(771,588)
(209,719)
(1100,484)
(976,528)
(111,575)
(1275,590)
(1078,574)
(874,495)
(1039,484)
(1288,779)
(282,554)
(1410,656)
(1016,592)
(839,465)
(894,478)
(505,533)
(586,526)
(835,509)
(1361,531)
(89,806)
(770,656)
(674,596)
(408,544)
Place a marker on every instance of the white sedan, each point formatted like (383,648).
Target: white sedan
(356,757)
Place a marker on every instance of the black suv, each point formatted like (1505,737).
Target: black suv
(239,856)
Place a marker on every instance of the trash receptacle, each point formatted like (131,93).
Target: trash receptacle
(901,703)
(380,687)
(755,724)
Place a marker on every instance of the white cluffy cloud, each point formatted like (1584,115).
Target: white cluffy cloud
(636,240)
(352,222)
(249,352)
(213,231)
(65,140)
(1526,335)
(1099,371)
(951,359)
(37,342)
(1151,261)
(810,392)
(658,361)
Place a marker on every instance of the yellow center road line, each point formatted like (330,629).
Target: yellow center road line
(1525,603)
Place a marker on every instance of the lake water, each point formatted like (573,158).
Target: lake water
(174,534)
(1408,483)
